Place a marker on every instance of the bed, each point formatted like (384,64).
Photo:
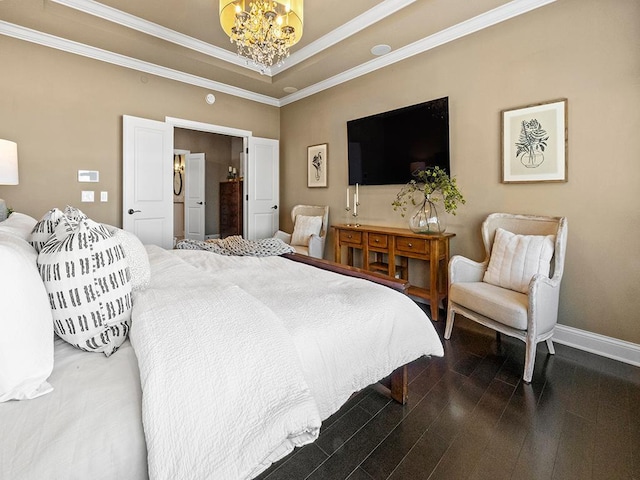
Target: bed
(230,363)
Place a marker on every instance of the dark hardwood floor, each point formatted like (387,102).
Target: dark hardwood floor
(470,416)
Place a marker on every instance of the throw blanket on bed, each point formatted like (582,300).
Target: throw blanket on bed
(223,391)
(236,245)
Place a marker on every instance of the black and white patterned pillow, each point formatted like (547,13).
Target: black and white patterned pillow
(43,230)
(88,281)
(74,213)
(47,224)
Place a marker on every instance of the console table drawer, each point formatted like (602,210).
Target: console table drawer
(377,240)
(412,245)
(347,236)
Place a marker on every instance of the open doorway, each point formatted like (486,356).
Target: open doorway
(223,163)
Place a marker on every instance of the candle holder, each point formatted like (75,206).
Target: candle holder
(355,214)
(347,216)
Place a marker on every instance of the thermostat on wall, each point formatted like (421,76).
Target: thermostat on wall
(90,176)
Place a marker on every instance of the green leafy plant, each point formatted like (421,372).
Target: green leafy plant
(426,183)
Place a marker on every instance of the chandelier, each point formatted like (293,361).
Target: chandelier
(265,31)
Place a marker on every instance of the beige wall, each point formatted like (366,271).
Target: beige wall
(65,113)
(584,50)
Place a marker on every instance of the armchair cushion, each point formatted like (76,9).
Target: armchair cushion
(500,304)
(304,227)
(515,259)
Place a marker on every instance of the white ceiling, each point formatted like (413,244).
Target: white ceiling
(161,37)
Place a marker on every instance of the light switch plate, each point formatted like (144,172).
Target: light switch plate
(87,196)
(104,196)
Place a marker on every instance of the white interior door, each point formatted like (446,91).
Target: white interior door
(262,188)
(194,196)
(147,178)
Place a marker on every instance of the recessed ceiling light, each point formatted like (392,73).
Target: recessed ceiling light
(290,89)
(210,98)
(381,49)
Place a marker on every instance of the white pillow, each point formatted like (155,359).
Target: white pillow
(517,258)
(136,256)
(26,341)
(86,275)
(18,224)
(304,227)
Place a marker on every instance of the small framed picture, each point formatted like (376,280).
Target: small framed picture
(534,143)
(317,160)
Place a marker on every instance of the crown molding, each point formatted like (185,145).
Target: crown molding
(485,20)
(373,15)
(368,18)
(47,40)
(136,23)
(462,29)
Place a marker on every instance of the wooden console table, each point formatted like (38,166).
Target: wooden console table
(402,243)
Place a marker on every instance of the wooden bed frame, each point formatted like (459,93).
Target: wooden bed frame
(396,385)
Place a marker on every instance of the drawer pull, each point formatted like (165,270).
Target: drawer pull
(349,236)
(376,240)
(409,245)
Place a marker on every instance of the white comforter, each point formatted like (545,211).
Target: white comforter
(223,391)
(349,332)
(239,363)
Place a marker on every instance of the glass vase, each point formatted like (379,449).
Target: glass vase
(428,217)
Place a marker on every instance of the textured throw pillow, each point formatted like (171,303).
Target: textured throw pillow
(26,338)
(86,275)
(74,213)
(136,256)
(43,230)
(515,259)
(18,224)
(304,227)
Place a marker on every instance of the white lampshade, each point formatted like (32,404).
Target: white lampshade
(8,162)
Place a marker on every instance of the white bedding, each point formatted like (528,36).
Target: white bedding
(349,332)
(223,390)
(88,427)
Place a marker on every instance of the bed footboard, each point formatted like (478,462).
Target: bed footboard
(395,283)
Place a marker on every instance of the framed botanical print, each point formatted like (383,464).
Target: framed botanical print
(317,160)
(534,143)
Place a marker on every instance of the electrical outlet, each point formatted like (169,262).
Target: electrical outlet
(87,196)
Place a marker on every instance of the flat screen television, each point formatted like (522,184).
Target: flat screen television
(385,149)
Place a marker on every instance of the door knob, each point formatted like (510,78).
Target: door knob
(131,211)
(200,203)
(275,207)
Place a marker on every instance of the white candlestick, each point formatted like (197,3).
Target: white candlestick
(357,194)
(348,195)
(355,204)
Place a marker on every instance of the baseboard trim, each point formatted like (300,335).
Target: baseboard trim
(613,348)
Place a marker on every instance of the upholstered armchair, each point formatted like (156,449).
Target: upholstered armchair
(310,224)
(516,289)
